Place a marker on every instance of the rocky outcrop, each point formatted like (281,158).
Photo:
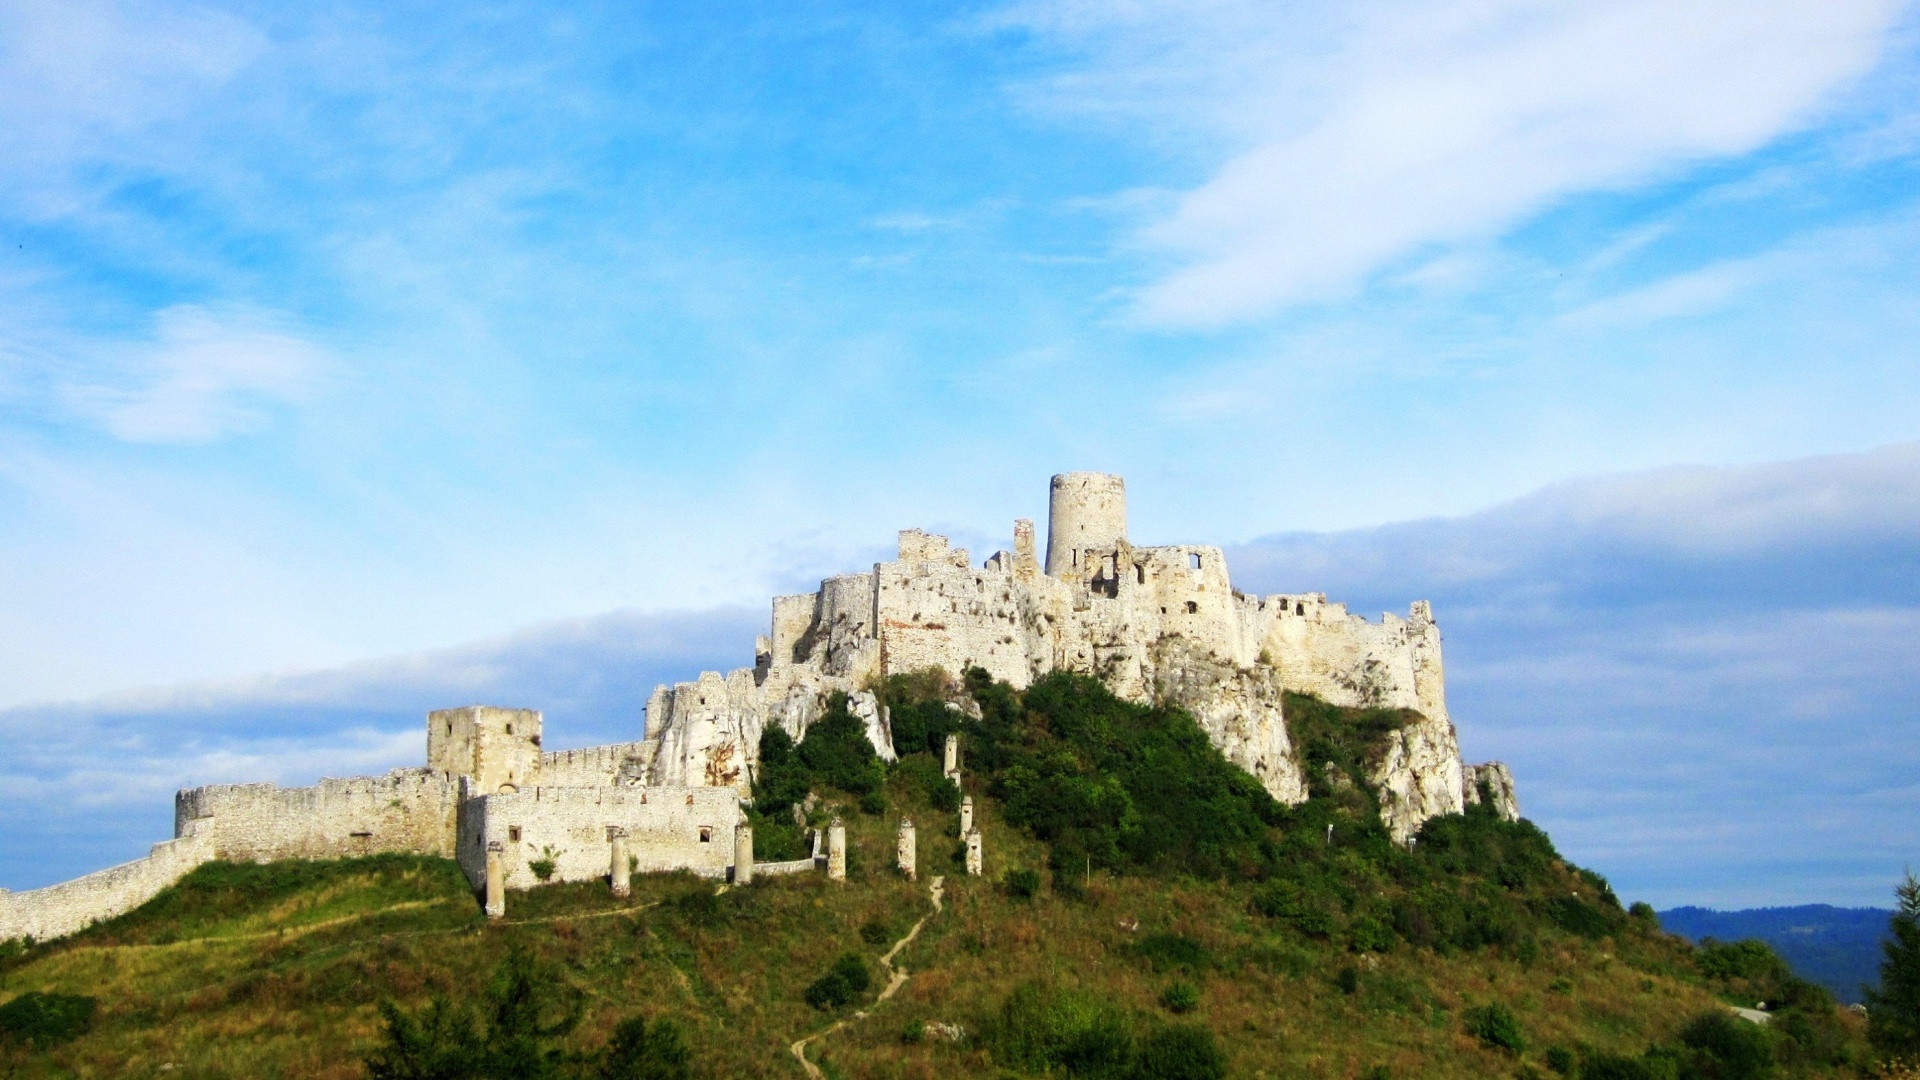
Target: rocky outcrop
(1418,777)
(1239,709)
(1492,783)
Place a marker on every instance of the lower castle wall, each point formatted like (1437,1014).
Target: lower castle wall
(62,909)
(411,810)
(596,766)
(663,831)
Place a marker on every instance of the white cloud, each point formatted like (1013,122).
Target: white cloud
(202,376)
(1357,139)
(74,70)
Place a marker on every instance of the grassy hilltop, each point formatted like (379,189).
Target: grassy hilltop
(1147,910)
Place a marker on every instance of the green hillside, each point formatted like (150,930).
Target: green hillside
(1147,910)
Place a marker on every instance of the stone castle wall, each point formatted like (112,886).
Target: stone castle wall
(62,909)
(1157,624)
(596,766)
(407,810)
(665,828)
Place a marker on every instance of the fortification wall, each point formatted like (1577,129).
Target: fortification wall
(937,611)
(59,910)
(665,829)
(597,766)
(411,810)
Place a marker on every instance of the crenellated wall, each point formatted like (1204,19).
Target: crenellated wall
(1157,624)
(410,810)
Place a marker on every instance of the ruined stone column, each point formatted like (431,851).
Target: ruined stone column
(836,851)
(743,853)
(966,816)
(619,869)
(975,862)
(906,849)
(496,881)
(952,767)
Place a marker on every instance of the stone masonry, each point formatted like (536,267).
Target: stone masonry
(1160,624)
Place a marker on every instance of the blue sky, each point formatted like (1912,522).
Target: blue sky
(343,353)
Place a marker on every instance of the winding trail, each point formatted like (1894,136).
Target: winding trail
(896,978)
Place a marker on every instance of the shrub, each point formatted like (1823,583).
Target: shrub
(847,979)
(1727,1048)
(1368,934)
(1495,1025)
(1180,997)
(1022,884)
(1347,979)
(1576,916)
(1603,1066)
(837,752)
(1163,952)
(1560,1060)
(875,932)
(1642,912)
(783,780)
(1040,1028)
(1750,959)
(641,1052)
(44,1020)
(543,866)
(873,804)
(518,1033)
(1180,1052)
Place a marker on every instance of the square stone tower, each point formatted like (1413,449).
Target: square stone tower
(499,748)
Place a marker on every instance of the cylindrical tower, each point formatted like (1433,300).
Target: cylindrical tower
(1086,511)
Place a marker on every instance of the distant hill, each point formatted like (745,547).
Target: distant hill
(1839,948)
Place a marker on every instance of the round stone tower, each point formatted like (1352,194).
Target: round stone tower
(1087,511)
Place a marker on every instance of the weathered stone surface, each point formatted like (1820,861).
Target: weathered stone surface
(1157,624)
(1493,783)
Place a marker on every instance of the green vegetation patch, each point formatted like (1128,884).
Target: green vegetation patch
(43,1020)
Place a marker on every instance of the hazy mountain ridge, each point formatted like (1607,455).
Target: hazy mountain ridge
(1837,947)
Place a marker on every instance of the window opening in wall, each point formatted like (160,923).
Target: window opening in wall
(1193,561)
(449,727)
(1193,607)
(1299,609)
(509,729)
(706,834)
(1140,573)
(513,833)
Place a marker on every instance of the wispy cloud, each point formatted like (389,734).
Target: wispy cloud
(200,377)
(1346,142)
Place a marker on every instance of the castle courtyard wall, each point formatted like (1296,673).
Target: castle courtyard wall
(664,828)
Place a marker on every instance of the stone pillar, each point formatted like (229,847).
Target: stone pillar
(906,849)
(952,766)
(496,881)
(619,868)
(836,851)
(743,853)
(966,816)
(975,863)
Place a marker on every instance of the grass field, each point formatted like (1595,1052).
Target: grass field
(277,970)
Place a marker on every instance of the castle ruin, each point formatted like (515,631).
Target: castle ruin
(1159,624)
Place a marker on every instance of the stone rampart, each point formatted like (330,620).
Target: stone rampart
(410,810)
(596,766)
(62,909)
(668,828)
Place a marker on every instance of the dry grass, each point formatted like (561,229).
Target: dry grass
(290,989)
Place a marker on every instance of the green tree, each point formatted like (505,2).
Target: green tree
(641,1052)
(1893,1011)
